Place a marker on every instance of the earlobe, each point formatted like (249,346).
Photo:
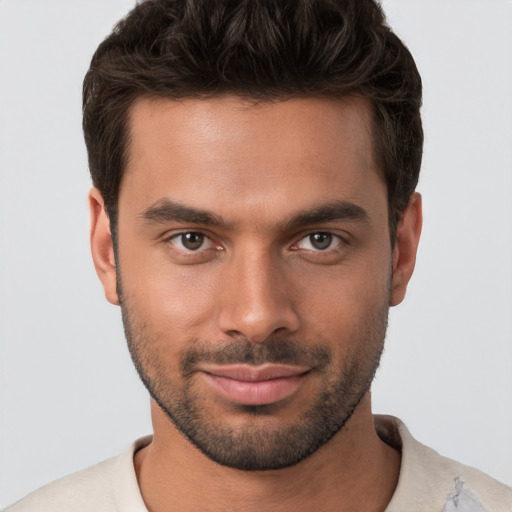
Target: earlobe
(406,246)
(102,247)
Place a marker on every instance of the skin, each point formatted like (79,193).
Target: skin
(258,277)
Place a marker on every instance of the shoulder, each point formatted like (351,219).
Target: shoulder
(429,481)
(100,488)
(85,490)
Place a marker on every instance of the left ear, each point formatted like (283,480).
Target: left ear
(406,246)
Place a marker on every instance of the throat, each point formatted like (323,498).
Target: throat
(355,470)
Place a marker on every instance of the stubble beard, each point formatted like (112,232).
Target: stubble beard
(252,445)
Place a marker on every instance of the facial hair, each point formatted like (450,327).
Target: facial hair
(254,444)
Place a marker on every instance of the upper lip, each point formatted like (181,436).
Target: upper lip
(249,373)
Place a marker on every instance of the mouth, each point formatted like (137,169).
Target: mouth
(254,385)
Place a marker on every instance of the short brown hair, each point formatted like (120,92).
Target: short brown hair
(259,49)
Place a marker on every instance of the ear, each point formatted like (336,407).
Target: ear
(102,247)
(406,246)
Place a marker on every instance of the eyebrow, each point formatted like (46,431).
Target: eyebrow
(166,210)
(337,210)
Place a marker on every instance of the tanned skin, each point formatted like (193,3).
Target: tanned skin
(257,169)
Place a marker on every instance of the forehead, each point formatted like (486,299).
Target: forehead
(229,152)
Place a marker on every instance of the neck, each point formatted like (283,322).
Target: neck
(355,470)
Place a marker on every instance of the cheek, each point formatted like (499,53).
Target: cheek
(180,303)
(349,313)
(186,299)
(174,301)
(351,291)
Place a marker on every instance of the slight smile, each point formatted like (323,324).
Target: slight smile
(254,385)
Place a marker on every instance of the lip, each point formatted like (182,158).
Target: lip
(254,385)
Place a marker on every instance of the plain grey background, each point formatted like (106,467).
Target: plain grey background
(69,396)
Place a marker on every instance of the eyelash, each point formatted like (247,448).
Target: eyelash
(181,235)
(294,247)
(332,238)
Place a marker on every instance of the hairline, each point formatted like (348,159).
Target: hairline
(253,100)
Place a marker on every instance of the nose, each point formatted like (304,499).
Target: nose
(257,299)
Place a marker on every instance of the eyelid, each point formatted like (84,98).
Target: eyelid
(341,240)
(211,243)
(208,241)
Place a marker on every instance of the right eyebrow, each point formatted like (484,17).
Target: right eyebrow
(165,210)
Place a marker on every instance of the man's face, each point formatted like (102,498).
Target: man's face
(254,270)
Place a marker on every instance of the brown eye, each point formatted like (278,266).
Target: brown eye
(320,241)
(190,241)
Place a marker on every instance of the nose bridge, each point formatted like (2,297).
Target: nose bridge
(257,299)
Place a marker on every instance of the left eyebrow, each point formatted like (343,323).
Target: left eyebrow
(337,210)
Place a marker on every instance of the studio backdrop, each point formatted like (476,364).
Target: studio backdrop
(69,395)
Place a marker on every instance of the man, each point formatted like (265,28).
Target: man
(254,216)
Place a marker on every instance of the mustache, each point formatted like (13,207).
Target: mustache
(244,351)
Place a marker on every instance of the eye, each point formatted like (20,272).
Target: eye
(191,241)
(319,241)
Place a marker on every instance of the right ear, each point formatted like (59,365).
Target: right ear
(102,247)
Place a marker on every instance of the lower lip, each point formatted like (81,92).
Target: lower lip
(255,393)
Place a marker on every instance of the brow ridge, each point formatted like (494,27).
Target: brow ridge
(166,210)
(336,210)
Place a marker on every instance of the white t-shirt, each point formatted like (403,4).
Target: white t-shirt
(428,482)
